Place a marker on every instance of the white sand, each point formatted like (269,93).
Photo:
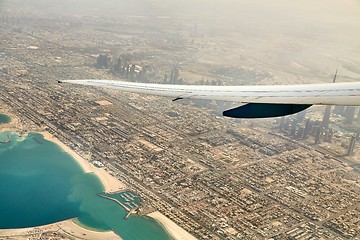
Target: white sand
(176,231)
(67,228)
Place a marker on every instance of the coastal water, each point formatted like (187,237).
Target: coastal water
(4,118)
(42,184)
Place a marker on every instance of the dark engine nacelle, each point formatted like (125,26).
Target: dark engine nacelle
(265,110)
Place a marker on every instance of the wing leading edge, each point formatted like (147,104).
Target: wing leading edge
(261,101)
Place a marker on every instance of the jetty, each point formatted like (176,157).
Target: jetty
(129,208)
(117,201)
(132,211)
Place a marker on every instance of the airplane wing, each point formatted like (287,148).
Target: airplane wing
(260,100)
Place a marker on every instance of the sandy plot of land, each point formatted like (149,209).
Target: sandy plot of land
(104,103)
(150,145)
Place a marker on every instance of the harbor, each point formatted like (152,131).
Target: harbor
(127,200)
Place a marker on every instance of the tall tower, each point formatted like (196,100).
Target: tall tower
(351,146)
(172,76)
(326,119)
(175,74)
(307,129)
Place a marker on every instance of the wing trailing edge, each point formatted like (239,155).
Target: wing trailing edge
(262,101)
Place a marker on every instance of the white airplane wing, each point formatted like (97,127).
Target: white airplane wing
(260,100)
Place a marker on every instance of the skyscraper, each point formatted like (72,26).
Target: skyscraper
(351,145)
(326,119)
(308,128)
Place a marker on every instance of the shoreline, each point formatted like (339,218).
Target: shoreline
(71,227)
(110,183)
(67,228)
(177,232)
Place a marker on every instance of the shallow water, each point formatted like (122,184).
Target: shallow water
(42,184)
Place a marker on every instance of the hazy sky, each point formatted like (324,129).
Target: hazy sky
(323,12)
(332,10)
(327,6)
(218,7)
(304,28)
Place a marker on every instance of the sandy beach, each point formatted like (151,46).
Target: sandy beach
(70,228)
(110,183)
(175,231)
(66,229)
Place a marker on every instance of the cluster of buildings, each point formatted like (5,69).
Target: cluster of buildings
(217,178)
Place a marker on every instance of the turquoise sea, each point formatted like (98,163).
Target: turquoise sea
(42,184)
(4,118)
